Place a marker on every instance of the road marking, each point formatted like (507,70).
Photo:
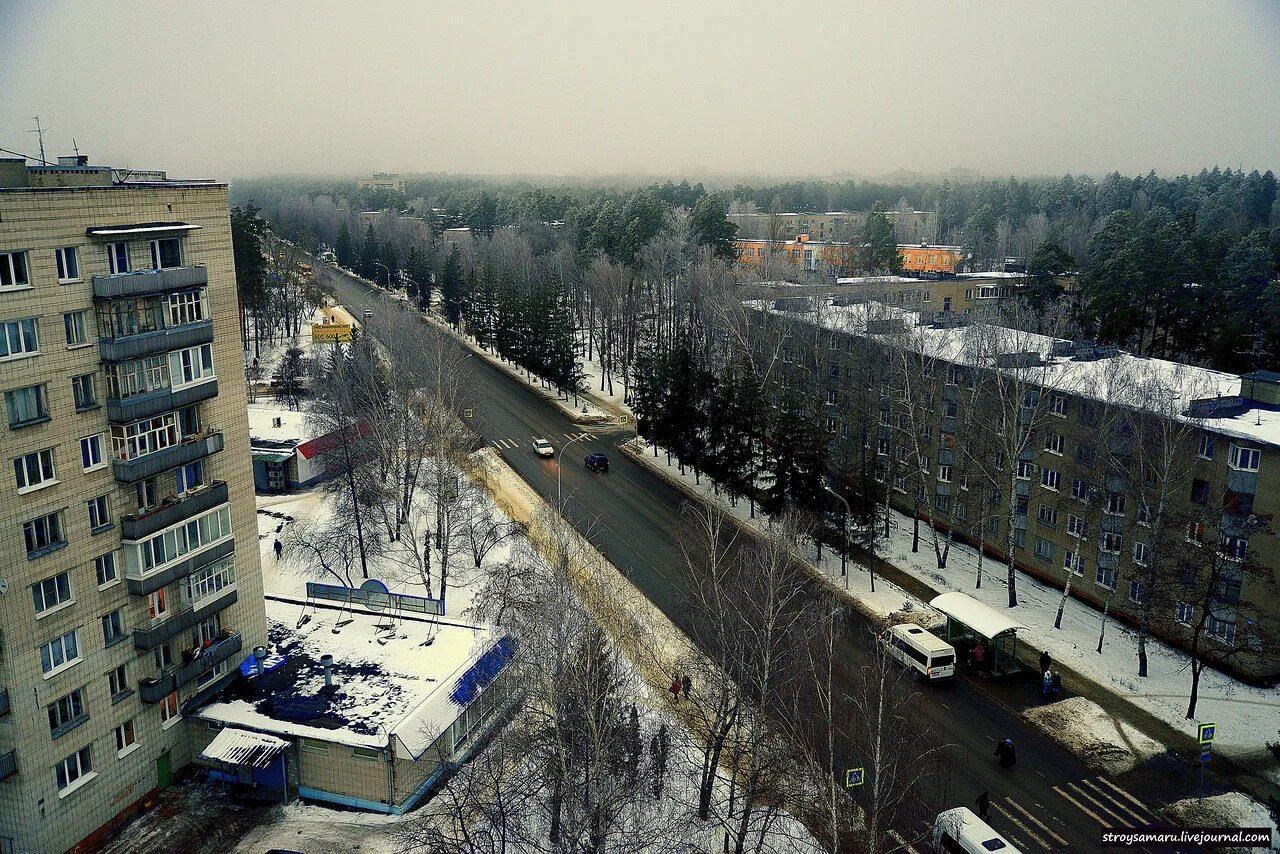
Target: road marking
(1037,822)
(1123,793)
(907,846)
(1083,808)
(1079,790)
(1119,806)
(1035,837)
(1038,771)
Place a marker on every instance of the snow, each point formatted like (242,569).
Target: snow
(1104,743)
(240,747)
(983,619)
(1231,809)
(293,423)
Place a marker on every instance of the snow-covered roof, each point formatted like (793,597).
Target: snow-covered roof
(877,280)
(262,424)
(241,747)
(980,617)
(1115,380)
(405,684)
(994,274)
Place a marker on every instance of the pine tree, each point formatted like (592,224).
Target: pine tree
(343,247)
(482,313)
(451,286)
(390,264)
(659,753)
(880,247)
(711,227)
(369,254)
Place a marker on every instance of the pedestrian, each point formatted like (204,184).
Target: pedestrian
(675,689)
(279,547)
(1055,684)
(984,804)
(979,656)
(1045,661)
(1046,682)
(686,685)
(1004,751)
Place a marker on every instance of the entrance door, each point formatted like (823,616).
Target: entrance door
(163,772)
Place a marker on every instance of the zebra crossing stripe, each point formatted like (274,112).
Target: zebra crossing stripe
(1099,819)
(1037,822)
(1119,806)
(1079,790)
(1035,837)
(1124,794)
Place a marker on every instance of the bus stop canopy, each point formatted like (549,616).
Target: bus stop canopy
(970,623)
(983,619)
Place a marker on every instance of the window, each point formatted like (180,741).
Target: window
(99,514)
(1080,490)
(954,374)
(166,252)
(34,471)
(1200,491)
(1058,404)
(1047,515)
(43,534)
(118,682)
(1044,549)
(1221,625)
(208,581)
(205,631)
(19,338)
(1105,576)
(104,568)
(900,484)
(882,447)
(1244,459)
(131,441)
(66,713)
(1085,455)
(91,453)
(1208,443)
(169,710)
(1190,574)
(1234,548)
(126,739)
(60,653)
(1184,613)
(1145,514)
(118,257)
(127,379)
(52,592)
(1110,543)
(27,405)
(68,259)
(1024,470)
(1076,525)
(950,408)
(944,473)
(924,463)
(831,425)
(1141,554)
(74,771)
(1072,562)
(1054,443)
(74,326)
(786,355)
(833,396)
(163,656)
(1031,399)
(1020,538)
(13,271)
(196,363)
(1137,592)
(84,390)
(942,502)
(158,604)
(1115,504)
(112,628)
(1050,479)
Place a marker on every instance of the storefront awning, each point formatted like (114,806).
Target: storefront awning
(241,747)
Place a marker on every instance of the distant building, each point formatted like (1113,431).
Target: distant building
(908,226)
(831,256)
(381,181)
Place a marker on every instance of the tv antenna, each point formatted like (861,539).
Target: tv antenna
(75,147)
(39,132)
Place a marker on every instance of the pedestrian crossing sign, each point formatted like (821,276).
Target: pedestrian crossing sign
(624,419)
(468,413)
(852,777)
(1207,733)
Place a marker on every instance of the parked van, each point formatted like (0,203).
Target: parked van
(960,830)
(928,655)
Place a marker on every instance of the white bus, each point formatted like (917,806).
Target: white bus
(928,655)
(960,831)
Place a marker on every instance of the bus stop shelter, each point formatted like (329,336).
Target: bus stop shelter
(970,622)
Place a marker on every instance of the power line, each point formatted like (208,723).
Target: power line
(24,156)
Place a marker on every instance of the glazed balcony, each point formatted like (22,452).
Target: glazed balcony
(144,282)
(174,509)
(143,585)
(187,451)
(139,406)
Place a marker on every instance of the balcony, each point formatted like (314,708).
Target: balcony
(173,510)
(4,702)
(149,639)
(151,583)
(126,347)
(187,451)
(143,282)
(155,690)
(8,765)
(151,403)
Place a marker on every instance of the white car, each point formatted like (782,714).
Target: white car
(543,448)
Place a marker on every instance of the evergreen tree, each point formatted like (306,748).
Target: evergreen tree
(480,214)
(482,313)
(390,263)
(659,754)
(797,450)
(418,266)
(451,287)
(711,227)
(343,248)
(369,254)
(1045,267)
(879,246)
(247,231)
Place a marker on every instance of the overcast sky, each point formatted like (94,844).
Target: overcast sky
(694,87)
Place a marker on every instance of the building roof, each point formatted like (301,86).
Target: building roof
(400,682)
(979,616)
(241,747)
(1113,380)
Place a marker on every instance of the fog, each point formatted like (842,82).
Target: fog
(714,87)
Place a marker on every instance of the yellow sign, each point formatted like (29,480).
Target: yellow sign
(330,332)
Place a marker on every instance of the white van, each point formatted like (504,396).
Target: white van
(928,655)
(960,830)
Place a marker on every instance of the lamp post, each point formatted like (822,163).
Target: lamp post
(384,266)
(844,551)
(559,468)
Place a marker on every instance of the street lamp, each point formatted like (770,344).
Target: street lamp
(559,468)
(844,552)
(384,266)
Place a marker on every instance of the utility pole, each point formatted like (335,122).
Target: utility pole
(39,132)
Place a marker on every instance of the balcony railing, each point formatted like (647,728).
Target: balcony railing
(141,586)
(148,639)
(142,282)
(149,465)
(155,690)
(173,510)
(130,409)
(125,347)
(8,765)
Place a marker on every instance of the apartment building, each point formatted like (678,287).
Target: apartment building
(835,257)
(381,181)
(908,226)
(131,583)
(1153,487)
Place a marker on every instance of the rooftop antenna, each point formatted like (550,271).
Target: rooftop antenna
(75,147)
(39,132)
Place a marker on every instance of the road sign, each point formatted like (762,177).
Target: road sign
(1204,756)
(1207,733)
(468,413)
(852,777)
(624,419)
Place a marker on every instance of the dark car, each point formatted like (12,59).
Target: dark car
(597,462)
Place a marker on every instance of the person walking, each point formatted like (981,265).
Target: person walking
(686,685)
(1005,753)
(1055,684)
(675,689)
(1046,682)
(1045,661)
(279,547)
(984,804)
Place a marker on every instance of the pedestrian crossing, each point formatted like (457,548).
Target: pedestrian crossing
(509,444)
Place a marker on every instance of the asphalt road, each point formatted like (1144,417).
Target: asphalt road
(1048,802)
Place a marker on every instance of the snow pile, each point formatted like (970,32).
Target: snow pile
(1232,809)
(1104,743)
